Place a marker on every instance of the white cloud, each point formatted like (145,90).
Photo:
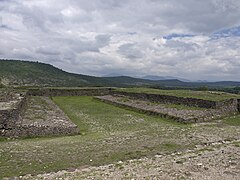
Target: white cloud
(100,37)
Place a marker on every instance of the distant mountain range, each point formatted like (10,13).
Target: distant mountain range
(150,77)
(28,73)
(113,75)
(156,78)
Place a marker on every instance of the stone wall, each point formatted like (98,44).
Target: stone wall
(11,110)
(194,102)
(69,92)
(238,105)
(228,106)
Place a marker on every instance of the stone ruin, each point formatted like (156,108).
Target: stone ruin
(13,105)
(154,104)
(16,120)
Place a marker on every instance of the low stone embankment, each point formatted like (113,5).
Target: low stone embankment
(180,115)
(69,92)
(159,98)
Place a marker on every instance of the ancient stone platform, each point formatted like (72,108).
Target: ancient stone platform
(43,118)
(22,116)
(181,115)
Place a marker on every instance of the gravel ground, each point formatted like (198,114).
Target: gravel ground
(219,160)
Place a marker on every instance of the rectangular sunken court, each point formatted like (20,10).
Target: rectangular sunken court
(33,113)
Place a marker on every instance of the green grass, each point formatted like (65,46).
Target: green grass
(206,95)
(237,144)
(3,139)
(107,117)
(233,121)
(172,146)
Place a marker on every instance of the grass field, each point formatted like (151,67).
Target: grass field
(206,95)
(108,134)
(232,121)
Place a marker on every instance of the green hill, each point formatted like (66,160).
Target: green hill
(26,73)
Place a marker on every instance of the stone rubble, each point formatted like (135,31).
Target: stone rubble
(181,115)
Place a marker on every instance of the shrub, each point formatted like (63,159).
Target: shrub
(203,88)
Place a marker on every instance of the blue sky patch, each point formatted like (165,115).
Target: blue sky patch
(132,33)
(3,26)
(174,35)
(234,31)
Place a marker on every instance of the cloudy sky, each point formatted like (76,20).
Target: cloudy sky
(193,39)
